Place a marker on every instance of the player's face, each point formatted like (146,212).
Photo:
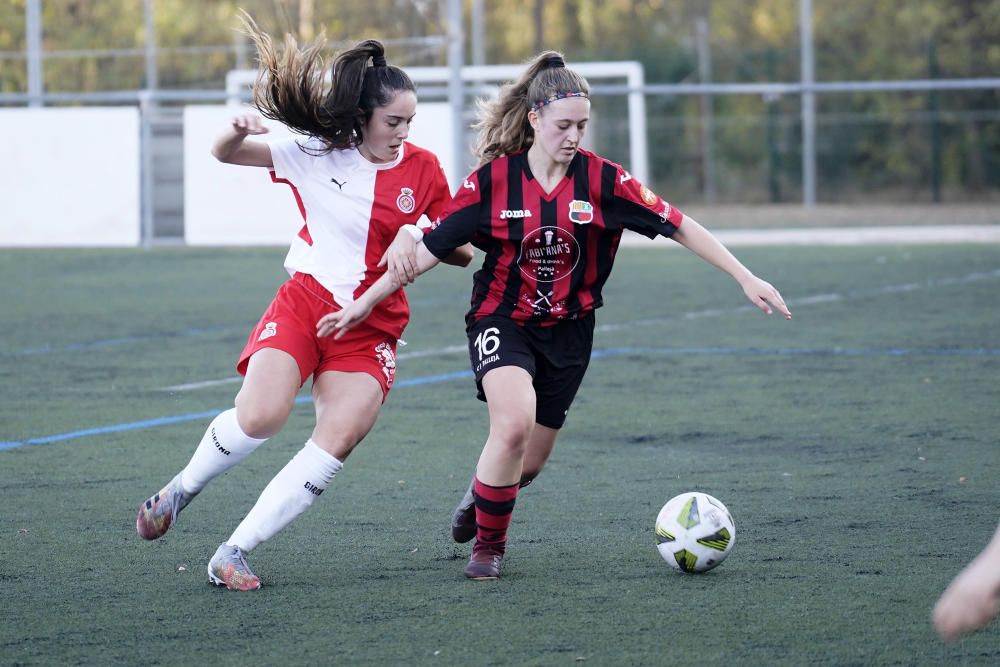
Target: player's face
(388,127)
(559,127)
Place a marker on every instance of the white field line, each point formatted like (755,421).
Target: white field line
(811,300)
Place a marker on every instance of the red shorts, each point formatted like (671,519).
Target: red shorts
(289,324)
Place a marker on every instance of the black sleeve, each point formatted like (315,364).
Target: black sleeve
(457,229)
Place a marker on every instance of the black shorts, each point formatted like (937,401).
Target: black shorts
(556,357)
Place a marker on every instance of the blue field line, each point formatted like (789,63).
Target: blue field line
(800,352)
(163,421)
(597,354)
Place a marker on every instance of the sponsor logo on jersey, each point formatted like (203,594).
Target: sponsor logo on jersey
(340,184)
(387,358)
(665,215)
(469,185)
(647,195)
(581,212)
(313,489)
(548,254)
(514,213)
(624,178)
(270,329)
(405,200)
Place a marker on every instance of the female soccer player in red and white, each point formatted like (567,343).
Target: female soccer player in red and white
(549,216)
(358,184)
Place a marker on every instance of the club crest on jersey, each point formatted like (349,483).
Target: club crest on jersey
(647,195)
(405,200)
(270,329)
(386,357)
(581,212)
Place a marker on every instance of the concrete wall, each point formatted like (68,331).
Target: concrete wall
(69,177)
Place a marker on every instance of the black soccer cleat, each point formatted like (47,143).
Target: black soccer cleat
(486,561)
(463,519)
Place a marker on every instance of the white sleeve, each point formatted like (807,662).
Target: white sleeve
(289,160)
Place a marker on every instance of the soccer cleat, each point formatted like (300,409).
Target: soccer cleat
(229,568)
(484,565)
(157,514)
(463,519)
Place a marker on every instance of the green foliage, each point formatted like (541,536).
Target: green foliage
(887,145)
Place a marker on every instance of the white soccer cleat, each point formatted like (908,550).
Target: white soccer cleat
(157,514)
(229,568)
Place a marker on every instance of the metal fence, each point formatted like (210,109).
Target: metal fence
(795,142)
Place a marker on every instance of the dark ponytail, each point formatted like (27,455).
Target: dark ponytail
(291,87)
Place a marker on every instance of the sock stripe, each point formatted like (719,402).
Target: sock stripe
(497,494)
(494,508)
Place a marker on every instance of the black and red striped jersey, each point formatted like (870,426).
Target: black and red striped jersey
(547,254)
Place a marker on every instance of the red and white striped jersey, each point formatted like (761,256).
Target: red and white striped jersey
(351,211)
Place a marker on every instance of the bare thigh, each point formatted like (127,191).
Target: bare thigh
(347,405)
(268,393)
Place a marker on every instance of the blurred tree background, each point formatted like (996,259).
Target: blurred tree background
(877,146)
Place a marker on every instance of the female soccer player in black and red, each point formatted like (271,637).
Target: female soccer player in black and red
(549,217)
(358,185)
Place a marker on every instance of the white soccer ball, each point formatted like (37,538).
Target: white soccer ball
(694,532)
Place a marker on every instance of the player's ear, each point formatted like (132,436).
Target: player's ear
(533,120)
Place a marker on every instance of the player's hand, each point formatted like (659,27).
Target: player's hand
(340,322)
(972,599)
(401,258)
(764,295)
(249,123)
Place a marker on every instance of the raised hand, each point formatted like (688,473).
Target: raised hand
(249,123)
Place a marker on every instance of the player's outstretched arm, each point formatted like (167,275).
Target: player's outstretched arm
(231,146)
(400,257)
(703,243)
(972,599)
(340,322)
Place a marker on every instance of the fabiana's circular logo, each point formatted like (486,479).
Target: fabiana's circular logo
(548,254)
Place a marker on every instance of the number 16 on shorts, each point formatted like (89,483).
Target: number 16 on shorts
(487,344)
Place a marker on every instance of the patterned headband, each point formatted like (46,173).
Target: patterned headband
(558,96)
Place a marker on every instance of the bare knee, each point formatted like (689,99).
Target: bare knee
(339,445)
(512,432)
(261,419)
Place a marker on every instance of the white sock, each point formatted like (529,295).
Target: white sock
(223,446)
(288,495)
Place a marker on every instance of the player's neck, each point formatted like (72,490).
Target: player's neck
(546,171)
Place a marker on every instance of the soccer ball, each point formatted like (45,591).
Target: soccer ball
(694,532)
